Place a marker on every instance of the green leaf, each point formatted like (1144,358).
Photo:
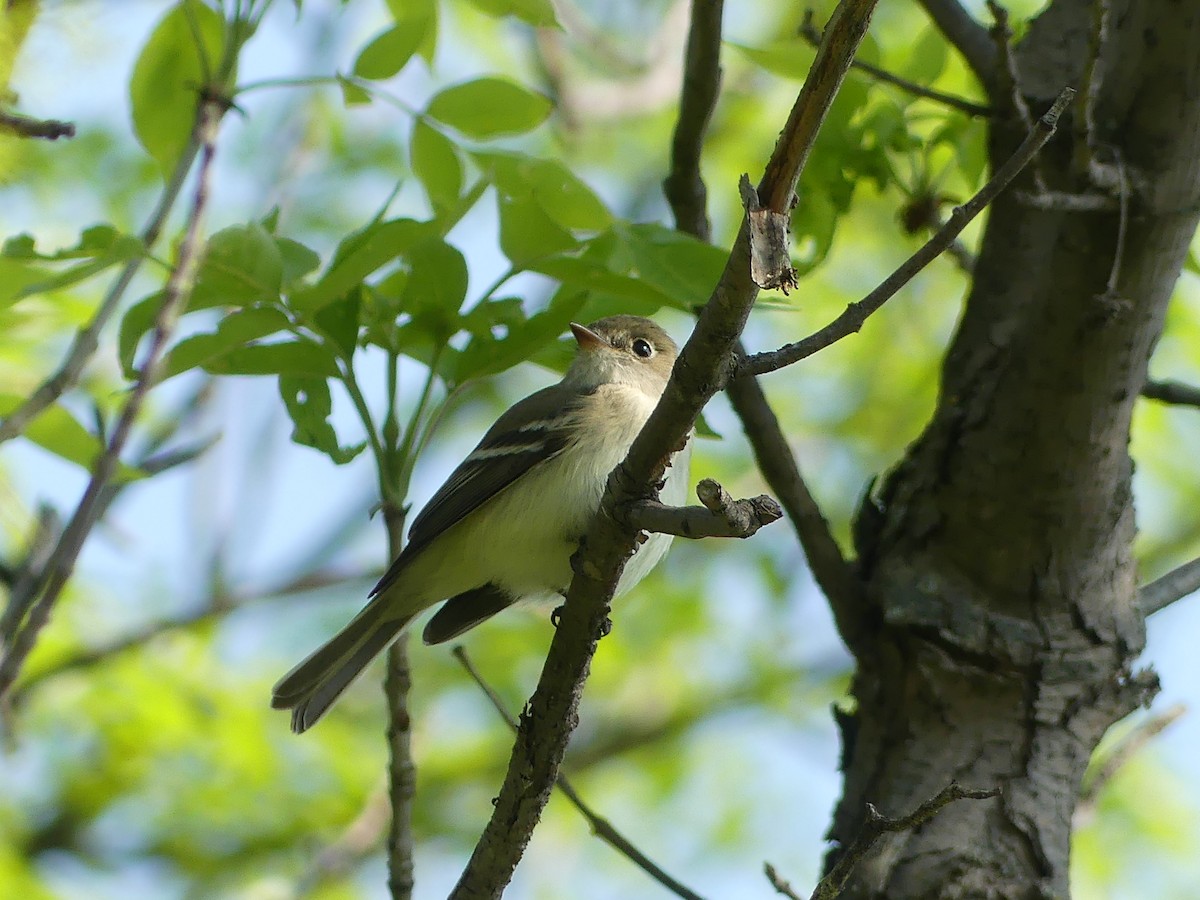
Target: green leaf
(436,287)
(435,162)
(135,323)
(339,320)
(527,233)
(926,58)
(427,10)
(788,59)
(100,247)
(297,260)
(488,353)
(96,241)
(56,430)
(358,256)
(167,75)
(299,356)
(242,264)
(353,94)
(388,53)
(16,276)
(538,13)
(234,330)
(309,404)
(554,187)
(488,107)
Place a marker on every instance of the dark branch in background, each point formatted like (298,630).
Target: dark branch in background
(809,32)
(856,314)
(721,515)
(684,187)
(1175,585)
(703,365)
(772,451)
(875,827)
(600,826)
(1007,96)
(46,532)
(781,884)
(1128,747)
(968,37)
(1172,392)
(25,126)
(179,287)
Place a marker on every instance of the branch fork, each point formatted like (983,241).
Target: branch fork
(720,516)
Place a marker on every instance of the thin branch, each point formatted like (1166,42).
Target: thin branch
(87,340)
(702,367)
(780,883)
(46,532)
(1085,102)
(25,126)
(1172,392)
(1007,94)
(877,825)
(721,515)
(850,321)
(178,289)
(1128,747)
(967,36)
(772,451)
(684,187)
(808,31)
(1058,201)
(1175,585)
(600,826)
(1114,273)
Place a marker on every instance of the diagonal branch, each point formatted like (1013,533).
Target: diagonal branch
(1175,585)
(703,365)
(179,287)
(772,450)
(850,321)
(809,32)
(968,36)
(1175,392)
(600,826)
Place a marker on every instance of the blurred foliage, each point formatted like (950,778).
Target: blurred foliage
(411,201)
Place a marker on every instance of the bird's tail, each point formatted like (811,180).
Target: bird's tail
(312,686)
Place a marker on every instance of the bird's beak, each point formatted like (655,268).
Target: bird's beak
(587,339)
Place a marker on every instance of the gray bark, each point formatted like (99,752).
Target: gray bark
(999,628)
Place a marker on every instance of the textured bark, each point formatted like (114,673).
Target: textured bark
(999,625)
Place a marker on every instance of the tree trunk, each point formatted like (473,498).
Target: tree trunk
(1000,624)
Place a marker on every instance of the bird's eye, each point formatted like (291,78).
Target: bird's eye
(643,348)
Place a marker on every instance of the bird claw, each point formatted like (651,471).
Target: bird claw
(556,615)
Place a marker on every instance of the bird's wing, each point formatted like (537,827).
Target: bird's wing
(534,430)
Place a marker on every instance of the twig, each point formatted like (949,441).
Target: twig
(87,339)
(721,515)
(1128,747)
(771,448)
(1165,590)
(857,313)
(808,31)
(967,36)
(1085,103)
(1008,85)
(600,826)
(683,186)
(780,884)
(1114,272)
(1058,201)
(46,532)
(702,367)
(25,126)
(1172,392)
(877,825)
(178,289)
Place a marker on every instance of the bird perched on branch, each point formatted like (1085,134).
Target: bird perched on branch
(503,527)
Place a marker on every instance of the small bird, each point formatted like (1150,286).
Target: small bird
(503,527)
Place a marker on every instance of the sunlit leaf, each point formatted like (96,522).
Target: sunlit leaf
(559,191)
(388,53)
(166,76)
(539,13)
(309,404)
(488,107)
(299,356)
(435,162)
(242,264)
(235,330)
(56,430)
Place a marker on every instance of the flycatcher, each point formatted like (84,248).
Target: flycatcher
(503,527)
